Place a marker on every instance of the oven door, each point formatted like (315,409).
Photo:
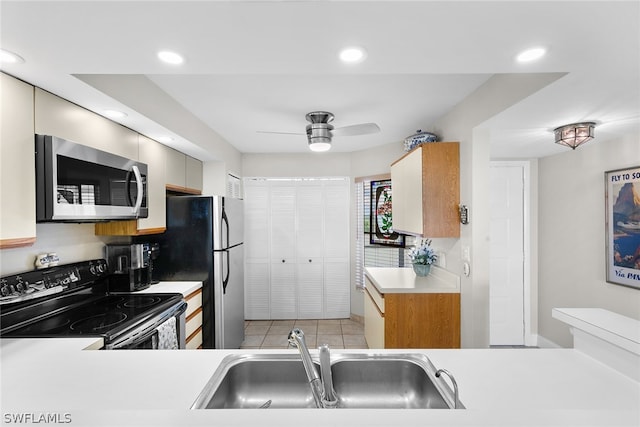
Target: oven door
(145,335)
(82,184)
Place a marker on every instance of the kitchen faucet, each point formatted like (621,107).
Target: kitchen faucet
(322,388)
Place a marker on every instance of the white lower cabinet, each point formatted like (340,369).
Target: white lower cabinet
(373,317)
(297,249)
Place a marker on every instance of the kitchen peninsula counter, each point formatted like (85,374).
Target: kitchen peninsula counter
(500,387)
(392,280)
(402,310)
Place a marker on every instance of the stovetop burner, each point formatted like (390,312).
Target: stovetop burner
(141,301)
(98,323)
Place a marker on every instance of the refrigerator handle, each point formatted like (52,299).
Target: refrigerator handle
(225,282)
(225,221)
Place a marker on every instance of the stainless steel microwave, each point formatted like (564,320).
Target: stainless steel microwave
(76,183)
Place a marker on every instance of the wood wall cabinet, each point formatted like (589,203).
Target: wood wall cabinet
(193,315)
(411,320)
(426,190)
(153,154)
(183,173)
(17,164)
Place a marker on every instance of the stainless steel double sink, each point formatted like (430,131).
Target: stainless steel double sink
(391,381)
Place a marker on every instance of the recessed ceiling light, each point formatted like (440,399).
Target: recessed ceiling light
(353,54)
(170,57)
(531,54)
(114,114)
(7,57)
(163,139)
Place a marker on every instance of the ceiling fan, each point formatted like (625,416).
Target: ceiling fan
(320,130)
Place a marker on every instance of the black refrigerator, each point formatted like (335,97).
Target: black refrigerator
(204,242)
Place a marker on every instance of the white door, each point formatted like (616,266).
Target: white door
(309,244)
(257,246)
(283,250)
(507,255)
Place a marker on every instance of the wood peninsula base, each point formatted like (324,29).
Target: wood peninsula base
(421,313)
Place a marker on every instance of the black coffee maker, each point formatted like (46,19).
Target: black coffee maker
(130,267)
(155,253)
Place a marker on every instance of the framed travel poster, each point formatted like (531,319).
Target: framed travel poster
(381,219)
(622,195)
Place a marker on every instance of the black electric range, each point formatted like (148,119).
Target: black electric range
(73,300)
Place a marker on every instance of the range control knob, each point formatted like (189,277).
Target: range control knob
(4,288)
(21,286)
(98,269)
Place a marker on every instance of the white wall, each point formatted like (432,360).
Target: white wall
(572,233)
(464,124)
(301,164)
(72,243)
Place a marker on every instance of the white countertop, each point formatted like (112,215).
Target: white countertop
(613,327)
(501,387)
(403,280)
(184,288)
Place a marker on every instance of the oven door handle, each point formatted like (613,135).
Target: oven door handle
(147,329)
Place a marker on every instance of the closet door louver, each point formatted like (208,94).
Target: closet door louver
(299,267)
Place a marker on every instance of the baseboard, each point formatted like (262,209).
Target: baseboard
(542,342)
(357,318)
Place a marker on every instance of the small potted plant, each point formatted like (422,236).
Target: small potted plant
(422,257)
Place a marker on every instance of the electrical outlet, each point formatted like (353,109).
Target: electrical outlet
(442,260)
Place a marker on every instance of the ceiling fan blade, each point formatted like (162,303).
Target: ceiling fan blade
(361,129)
(280,133)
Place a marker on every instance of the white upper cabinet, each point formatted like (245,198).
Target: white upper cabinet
(59,117)
(183,173)
(152,153)
(17,164)
(426,190)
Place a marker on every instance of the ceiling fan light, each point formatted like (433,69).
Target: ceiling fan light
(319,146)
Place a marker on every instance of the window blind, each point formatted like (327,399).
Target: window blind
(367,254)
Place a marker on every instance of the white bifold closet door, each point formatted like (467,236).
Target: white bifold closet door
(298,268)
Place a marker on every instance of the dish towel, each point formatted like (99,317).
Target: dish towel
(167,335)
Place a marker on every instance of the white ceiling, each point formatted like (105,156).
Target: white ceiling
(262,65)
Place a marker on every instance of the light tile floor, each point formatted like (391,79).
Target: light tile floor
(338,333)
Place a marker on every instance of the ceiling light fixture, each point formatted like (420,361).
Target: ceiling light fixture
(164,139)
(170,57)
(531,54)
(352,55)
(7,57)
(319,144)
(319,131)
(114,114)
(575,134)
